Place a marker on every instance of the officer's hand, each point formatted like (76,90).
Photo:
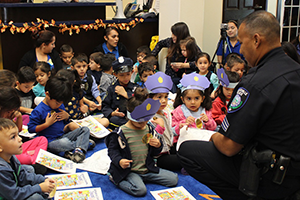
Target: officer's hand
(204,117)
(120,90)
(190,120)
(124,163)
(117,113)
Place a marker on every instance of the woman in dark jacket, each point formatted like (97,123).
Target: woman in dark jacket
(43,51)
(112,44)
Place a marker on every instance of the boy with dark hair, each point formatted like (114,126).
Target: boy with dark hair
(95,67)
(88,83)
(50,119)
(149,59)
(15,181)
(145,70)
(141,52)
(66,55)
(107,78)
(24,84)
(114,103)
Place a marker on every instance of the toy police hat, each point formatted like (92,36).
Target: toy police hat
(122,64)
(194,81)
(145,111)
(224,81)
(159,83)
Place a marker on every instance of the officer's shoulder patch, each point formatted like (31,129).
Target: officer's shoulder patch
(239,100)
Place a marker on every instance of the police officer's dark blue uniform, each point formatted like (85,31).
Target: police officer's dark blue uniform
(112,100)
(265,109)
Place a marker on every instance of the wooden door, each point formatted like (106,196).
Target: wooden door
(238,9)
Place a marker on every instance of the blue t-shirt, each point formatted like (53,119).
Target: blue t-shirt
(38,116)
(235,49)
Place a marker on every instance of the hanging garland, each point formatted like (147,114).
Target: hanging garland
(43,24)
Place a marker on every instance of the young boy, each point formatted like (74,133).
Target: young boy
(132,148)
(145,70)
(149,59)
(80,64)
(50,119)
(114,103)
(25,82)
(141,52)
(107,78)
(66,55)
(95,67)
(15,181)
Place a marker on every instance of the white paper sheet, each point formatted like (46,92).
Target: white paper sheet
(177,193)
(71,181)
(193,134)
(99,162)
(97,130)
(87,194)
(25,132)
(55,162)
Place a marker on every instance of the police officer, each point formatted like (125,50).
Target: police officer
(115,101)
(264,110)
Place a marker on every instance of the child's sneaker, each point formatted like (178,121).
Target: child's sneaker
(78,156)
(92,144)
(68,155)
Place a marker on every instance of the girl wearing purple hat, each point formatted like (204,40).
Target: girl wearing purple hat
(193,105)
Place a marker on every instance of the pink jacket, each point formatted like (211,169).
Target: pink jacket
(179,118)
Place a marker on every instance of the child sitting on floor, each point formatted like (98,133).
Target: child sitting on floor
(132,148)
(49,119)
(107,78)
(114,103)
(95,67)
(193,105)
(66,55)
(145,70)
(26,80)
(15,181)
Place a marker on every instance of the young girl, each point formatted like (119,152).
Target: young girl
(42,71)
(159,85)
(192,105)
(228,81)
(189,50)
(76,108)
(203,62)
(235,64)
(9,106)
(132,147)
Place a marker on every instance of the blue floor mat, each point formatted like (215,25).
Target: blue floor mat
(110,191)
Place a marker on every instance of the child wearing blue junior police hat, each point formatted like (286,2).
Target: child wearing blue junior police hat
(158,86)
(114,103)
(132,147)
(193,104)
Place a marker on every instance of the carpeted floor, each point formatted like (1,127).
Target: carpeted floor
(110,191)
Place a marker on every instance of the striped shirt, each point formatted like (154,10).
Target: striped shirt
(138,149)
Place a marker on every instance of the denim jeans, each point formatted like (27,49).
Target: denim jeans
(38,196)
(71,140)
(134,183)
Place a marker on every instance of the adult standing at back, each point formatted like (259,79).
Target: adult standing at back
(43,51)
(112,44)
(263,116)
(232,45)
(175,59)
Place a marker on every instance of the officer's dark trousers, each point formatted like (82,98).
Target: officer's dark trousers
(221,173)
